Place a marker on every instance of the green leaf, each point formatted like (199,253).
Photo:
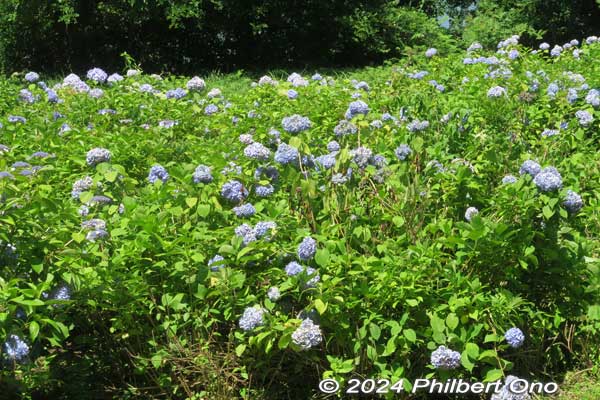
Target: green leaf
(284,341)
(320,306)
(203,210)
(34,329)
(375,331)
(239,350)
(547,211)
(472,350)
(191,201)
(322,257)
(493,375)
(452,321)
(410,335)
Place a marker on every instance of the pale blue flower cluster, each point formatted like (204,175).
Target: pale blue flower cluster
(234,191)
(444,358)
(257,151)
(548,180)
(307,248)
(584,117)
(158,172)
(216,263)
(97,75)
(202,174)
(514,337)
(286,154)
(307,335)
(496,91)
(355,108)
(470,213)
(16,349)
(296,123)
(176,93)
(244,211)
(252,318)
(573,201)
(345,127)
(97,155)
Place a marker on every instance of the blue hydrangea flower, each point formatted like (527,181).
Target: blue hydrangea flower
(245,210)
(530,167)
(211,109)
(325,161)
(273,293)
(286,154)
(52,97)
(507,179)
(584,117)
(202,174)
(114,78)
(97,75)
(176,93)
(96,234)
(296,123)
(361,156)
(418,75)
(572,95)
(593,98)
(544,46)
(333,146)
(573,202)
(313,276)
(514,337)
(94,223)
(16,349)
(549,132)
(514,389)
(292,94)
(96,93)
(32,77)
(513,54)
(216,263)
(416,125)
(444,358)
(355,108)
(470,213)
(496,91)
(403,151)
(81,185)
(339,179)
(257,151)
(552,89)
(234,191)
(146,88)
(316,77)
(556,50)
(16,119)
(362,85)
(167,123)
(344,128)
(264,190)
(26,96)
(548,180)
(264,228)
(252,318)
(105,111)
(97,155)
(158,172)
(307,248)
(307,335)
(62,293)
(430,52)
(196,84)
(293,268)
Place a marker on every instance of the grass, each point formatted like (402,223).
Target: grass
(579,385)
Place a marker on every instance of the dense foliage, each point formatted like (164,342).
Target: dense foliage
(188,35)
(160,238)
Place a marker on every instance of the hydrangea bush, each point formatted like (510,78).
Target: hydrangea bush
(370,225)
